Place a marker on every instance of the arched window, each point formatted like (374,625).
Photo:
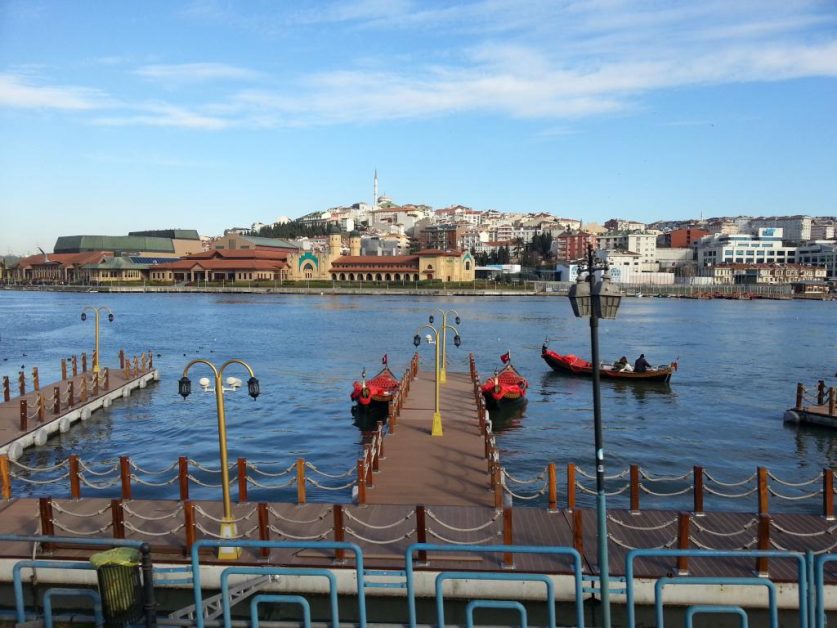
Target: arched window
(467,265)
(351,276)
(378,277)
(308,270)
(415,277)
(388,277)
(342,276)
(430,267)
(397,276)
(368,276)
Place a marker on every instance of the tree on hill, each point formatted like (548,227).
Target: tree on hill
(296,229)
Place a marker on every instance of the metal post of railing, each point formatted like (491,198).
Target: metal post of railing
(183,477)
(264,527)
(149,603)
(241,468)
(300,481)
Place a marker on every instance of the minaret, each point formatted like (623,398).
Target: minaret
(375,192)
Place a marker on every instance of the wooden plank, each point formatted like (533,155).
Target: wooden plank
(435,470)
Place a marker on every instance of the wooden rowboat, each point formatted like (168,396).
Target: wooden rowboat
(505,387)
(574,365)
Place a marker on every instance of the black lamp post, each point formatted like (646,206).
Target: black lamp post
(597,298)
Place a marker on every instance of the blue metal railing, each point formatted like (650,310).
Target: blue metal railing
(719,610)
(327,545)
(802,570)
(284,599)
(491,549)
(98,615)
(144,548)
(773,609)
(508,604)
(819,584)
(280,571)
(810,577)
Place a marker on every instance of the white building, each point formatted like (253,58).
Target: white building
(742,248)
(795,228)
(823,254)
(643,244)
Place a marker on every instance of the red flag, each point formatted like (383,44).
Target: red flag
(505,357)
(384,359)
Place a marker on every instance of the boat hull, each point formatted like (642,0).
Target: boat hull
(582,368)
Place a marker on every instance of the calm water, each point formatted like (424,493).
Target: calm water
(739,364)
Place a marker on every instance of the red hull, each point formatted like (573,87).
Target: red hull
(573,365)
(506,387)
(379,389)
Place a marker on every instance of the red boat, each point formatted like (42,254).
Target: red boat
(376,391)
(575,365)
(505,387)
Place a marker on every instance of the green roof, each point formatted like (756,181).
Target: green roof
(273,242)
(87,243)
(174,234)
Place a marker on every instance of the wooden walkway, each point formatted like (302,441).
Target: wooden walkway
(418,468)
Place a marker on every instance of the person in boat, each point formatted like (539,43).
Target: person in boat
(641,365)
(622,365)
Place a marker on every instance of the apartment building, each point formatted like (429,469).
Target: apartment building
(765,247)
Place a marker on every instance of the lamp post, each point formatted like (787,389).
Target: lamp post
(228,527)
(597,299)
(437,415)
(442,374)
(98,311)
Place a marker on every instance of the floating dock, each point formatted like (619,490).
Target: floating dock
(32,417)
(819,410)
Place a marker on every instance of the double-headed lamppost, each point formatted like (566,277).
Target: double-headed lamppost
(597,298)
(442,374)
(97,311)
(228,527)
(437,415)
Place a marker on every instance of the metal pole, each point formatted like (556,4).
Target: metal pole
(96,355)
(222,445)
(601,507)
(437,415)
(149,604)
(442,373)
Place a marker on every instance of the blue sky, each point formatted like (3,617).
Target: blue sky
(116,116)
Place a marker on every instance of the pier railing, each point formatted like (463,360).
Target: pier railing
(823,401)
(698,490)
(71,368)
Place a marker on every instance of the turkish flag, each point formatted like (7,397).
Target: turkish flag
(384,359)
(505,357)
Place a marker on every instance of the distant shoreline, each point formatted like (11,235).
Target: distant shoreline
(559,290)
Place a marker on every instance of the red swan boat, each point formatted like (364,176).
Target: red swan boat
(574,365)
(377,391)
(505,387)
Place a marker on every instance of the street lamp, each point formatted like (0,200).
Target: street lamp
(184,388)
(443,376)
(437,416)
(597,298)
(98,311)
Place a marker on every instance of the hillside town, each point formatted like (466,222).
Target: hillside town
(385,241)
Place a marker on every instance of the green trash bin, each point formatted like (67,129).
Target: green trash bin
(118,572)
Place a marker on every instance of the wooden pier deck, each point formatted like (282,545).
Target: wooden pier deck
(448,470)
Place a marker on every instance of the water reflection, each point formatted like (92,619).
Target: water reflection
(365,418)
(643,391)
(508,417)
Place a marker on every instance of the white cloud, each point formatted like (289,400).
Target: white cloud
(17,92)
(165,115)
(196,72)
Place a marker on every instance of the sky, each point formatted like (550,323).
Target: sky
(209,114)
